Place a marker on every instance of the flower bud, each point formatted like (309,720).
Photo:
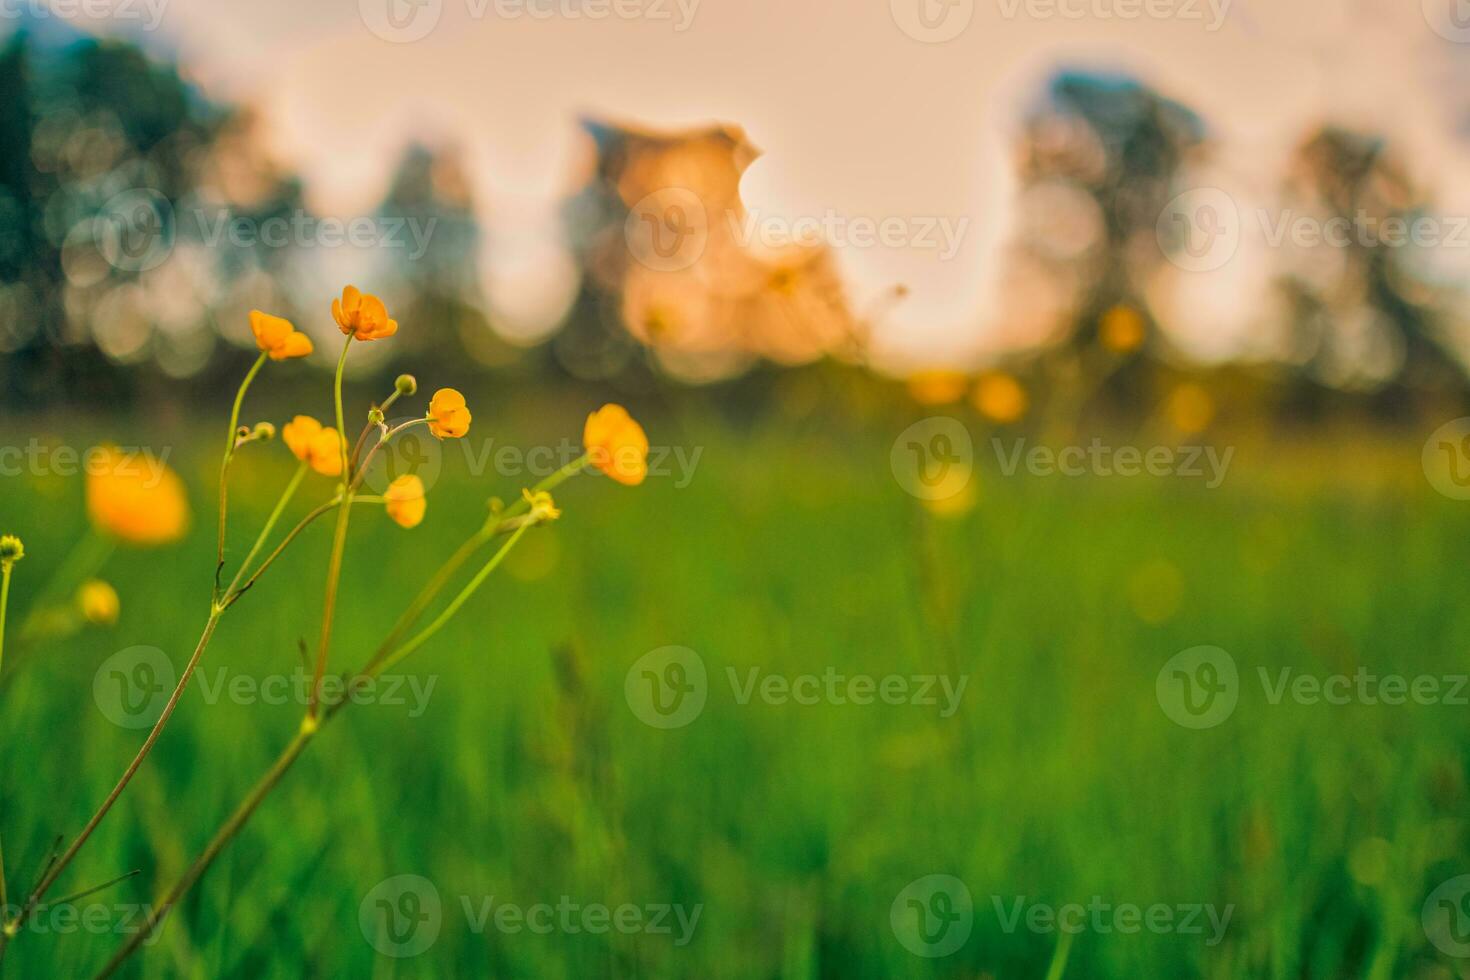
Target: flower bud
(99,602)
(264,431)
(375,416)
(11,550)
(406,384)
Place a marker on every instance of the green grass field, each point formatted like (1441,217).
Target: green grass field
(793,828)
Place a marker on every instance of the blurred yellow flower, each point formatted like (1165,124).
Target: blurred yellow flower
(1121,329)
(448,416)
(99,602)
(1190,408)
(1000,398)
(362,315)
(405,501)
(617,444)
(11,549)
(543,508)
(318,446)
(277,337)
(937,387)
(137,502)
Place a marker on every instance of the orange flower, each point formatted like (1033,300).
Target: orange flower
(448,416)
(319,447)
(405,501)
(616,444)
(277,337)
(137,500)
(362,315)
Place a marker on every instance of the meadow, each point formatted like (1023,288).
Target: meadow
(524,776)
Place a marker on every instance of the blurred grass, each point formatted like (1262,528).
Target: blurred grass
(792,549)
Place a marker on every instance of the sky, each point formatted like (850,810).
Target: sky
(863,109)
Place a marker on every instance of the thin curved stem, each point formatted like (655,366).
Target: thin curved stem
(270,525)
(60,865)
(318,511)
(224,466)
(337,397)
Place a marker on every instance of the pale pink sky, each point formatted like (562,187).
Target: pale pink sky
(854,114)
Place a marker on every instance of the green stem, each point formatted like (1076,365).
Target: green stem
(60,865)
(221,839)
(268,782)
(4,602)
(337,396)
(224,466)
(270,525)
(427,632)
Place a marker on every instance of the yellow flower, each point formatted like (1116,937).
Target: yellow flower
(448,416)
(11,549)
(310,442)
(139,502)
(616,444)
(99,602)
(1121,329)
(277,337)
(1000,398)
(543,508)
(405,501)
(362,315)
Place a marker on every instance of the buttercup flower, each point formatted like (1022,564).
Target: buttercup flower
(277,337)
(11,550)
(138,501)
(448,416)
(616,444)
(405,502)
(362,315)
(543,508)
(317,446)
(99,602)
